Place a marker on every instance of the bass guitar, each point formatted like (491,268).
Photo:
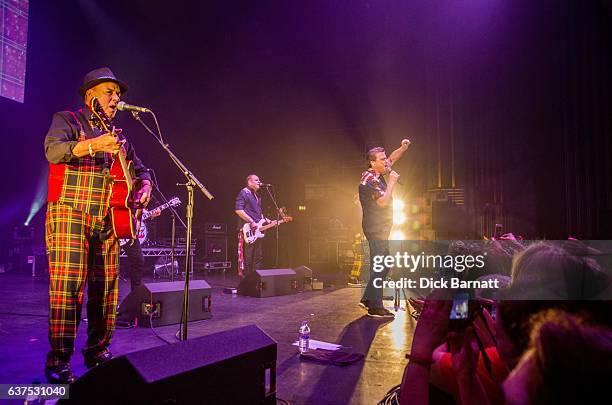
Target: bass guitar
(123,210)
(251,235)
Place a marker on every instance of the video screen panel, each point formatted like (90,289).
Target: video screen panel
(14,40)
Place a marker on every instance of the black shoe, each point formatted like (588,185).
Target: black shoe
(60,374)
(122,324)
(364,304)
(93,361)
(380,313)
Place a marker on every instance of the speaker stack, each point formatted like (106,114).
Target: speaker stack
(215,246)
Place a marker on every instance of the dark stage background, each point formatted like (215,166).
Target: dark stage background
(506,101)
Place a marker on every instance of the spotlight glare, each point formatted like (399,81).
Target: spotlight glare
(398,218)
(398,235)
(398,205)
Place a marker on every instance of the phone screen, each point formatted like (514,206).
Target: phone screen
(460,309)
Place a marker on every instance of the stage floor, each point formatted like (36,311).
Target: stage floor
(333,314)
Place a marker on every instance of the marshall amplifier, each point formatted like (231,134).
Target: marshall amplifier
(215,248)
(215,228)
(217,265)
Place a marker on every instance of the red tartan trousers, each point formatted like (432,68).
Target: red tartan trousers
(81,248)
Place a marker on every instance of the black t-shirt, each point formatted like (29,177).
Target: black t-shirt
(251,204)
(376,221)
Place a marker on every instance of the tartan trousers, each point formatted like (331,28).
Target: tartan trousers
(250,256)
(81,248)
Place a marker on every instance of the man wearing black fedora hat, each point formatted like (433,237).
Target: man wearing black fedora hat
(81,244)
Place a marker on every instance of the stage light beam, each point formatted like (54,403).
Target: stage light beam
(398,218)
(398,235)
(40,198)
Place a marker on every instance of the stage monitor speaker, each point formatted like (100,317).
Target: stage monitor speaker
(237,366)
(304,277)
(162,303)
(269,283)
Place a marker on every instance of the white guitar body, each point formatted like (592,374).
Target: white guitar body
(141,228)
(251,235)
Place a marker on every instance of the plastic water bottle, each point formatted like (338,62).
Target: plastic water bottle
(304,337)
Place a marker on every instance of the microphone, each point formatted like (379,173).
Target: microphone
(389,170)
(265,185)
(122,106)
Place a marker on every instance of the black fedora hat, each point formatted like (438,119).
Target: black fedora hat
(98,76)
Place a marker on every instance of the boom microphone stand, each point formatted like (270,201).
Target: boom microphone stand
(277,219)
(173,215)
(192,181)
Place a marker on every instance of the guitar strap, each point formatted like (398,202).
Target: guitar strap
(83,136)
(240,253)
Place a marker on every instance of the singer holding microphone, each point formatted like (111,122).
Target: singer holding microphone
(248,209)
(81,245)
(376,198)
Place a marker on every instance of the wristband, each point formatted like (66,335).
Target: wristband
(422,361)
(91,152)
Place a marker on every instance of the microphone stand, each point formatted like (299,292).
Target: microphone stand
(277,220)
(172,247)
(173,215)
(192,181)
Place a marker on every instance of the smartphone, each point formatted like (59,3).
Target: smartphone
(459,317)
(498,231)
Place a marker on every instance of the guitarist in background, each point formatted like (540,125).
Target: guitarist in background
(135,270)
(81,244)
(248,209)
(135,257)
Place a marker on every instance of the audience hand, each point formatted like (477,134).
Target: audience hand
(432,325)
(485,328)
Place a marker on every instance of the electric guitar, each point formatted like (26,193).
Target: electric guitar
(123,210)
(146,214)
(251,235)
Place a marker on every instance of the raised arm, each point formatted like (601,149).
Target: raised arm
(397,153)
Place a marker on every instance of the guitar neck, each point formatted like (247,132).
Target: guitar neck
(104,123)
(148,213)
(126,171)
(272,225)
(172,203)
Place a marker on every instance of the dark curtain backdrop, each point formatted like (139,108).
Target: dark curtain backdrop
(508,100)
